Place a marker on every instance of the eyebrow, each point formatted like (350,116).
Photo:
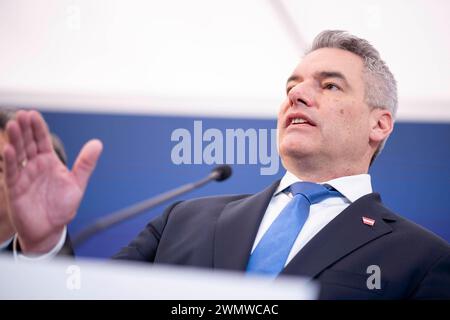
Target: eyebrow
(331,74)
(322,75)
(293,78)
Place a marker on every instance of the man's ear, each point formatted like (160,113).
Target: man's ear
(381,124)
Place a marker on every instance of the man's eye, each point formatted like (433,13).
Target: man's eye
(331,86)
(288,89)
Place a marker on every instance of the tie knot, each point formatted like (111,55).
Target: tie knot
(312,191)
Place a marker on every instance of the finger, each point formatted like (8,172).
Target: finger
(2,167)
(86,161)
(27,134)
(11,166)
(15,139)
(41,133)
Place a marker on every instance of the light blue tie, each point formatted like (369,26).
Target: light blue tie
(272,251)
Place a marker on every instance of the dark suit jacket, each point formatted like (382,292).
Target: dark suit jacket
(218,232)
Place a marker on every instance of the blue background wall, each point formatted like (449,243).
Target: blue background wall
(412,174)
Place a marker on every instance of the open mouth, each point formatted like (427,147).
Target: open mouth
(298,121)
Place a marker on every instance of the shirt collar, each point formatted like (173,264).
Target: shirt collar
(5,244)
(351,187)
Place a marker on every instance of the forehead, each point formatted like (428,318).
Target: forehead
(331,59)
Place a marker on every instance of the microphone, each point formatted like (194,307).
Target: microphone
(219,173)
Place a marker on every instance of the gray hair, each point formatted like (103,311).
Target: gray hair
(380,84)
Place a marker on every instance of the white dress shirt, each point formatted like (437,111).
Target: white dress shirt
(5,244)
(320,214)
(40,257)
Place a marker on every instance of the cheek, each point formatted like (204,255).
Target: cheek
(282,114)
(344,121)
(283,107)
(355,123)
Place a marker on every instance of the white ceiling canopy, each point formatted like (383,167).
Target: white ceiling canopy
(226,58)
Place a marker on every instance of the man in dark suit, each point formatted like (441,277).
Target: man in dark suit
(322,220)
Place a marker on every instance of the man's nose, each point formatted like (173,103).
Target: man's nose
(301,95)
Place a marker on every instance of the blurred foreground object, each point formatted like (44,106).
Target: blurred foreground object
(88,279)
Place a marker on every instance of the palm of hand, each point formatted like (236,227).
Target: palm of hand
(44,197)
(43,194)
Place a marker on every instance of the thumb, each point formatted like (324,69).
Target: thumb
(86,162)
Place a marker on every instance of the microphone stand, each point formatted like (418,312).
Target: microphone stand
(220,173)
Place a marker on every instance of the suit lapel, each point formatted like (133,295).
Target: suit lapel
(236,229)
(341,236)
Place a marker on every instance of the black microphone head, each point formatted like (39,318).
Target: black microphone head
(222,172)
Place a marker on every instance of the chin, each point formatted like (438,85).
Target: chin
(295,149)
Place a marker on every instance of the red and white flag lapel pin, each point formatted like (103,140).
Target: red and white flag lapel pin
(368,221)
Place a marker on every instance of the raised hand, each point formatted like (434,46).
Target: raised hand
(43,194)
(6,227)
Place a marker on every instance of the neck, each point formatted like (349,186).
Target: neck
(314,172)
